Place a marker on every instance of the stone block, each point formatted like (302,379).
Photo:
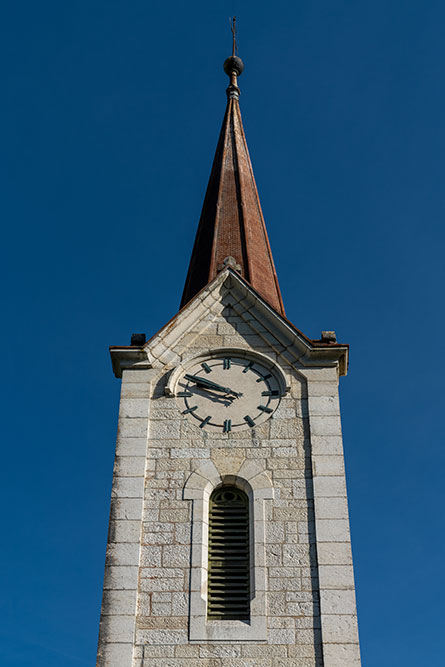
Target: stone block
(150,556)
(129,466)
(323,389)
(295,554)
(120,602)
(164,412)
(162,623)
(314,375)
(336,576)
(331,508)
(187,651)
(183,533)
(324,405)
(170,465)
(126,508)
(274,532)
(341,655)
(329,486)
(162,572)
(114,654)
(158,527)
(337,602)
(161,637)
(157,495)
(134,407)
(281,636)
(288,514)
(309,609)
(310,635)
(219,651)
(273,554)
(329,465)
(301,596)
(324,425)
(124,531)
(128,487)
(158,538)
(130,375)
(190,453)
(180,603)
(280,622)
(302,650)
(284,583)
(118,629)
(264,651)
(290,453)
(333,530)
(327,445)
(162,597)
(176,556)
(150,585)
(158,652)
(121,577)
(159,452)
(132,428)
(176,515)
(291,429)
(135,390)
(123,554)
(340,629)
(165,430)
(302,489)
(131,446)
(330,553)
(161,608)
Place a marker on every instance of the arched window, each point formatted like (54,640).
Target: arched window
(229,555)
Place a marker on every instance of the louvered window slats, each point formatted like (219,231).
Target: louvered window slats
(229,567)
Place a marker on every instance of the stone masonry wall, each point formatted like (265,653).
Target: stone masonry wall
(148,566)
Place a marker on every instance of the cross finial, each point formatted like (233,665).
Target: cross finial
(233,29)
(233,66)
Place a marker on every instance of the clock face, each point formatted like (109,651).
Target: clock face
(228,393)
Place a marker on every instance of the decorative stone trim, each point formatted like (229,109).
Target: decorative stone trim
(119,606)
(257,485)
(338,614)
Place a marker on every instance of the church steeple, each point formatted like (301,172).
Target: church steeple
(208,403)
(231,229)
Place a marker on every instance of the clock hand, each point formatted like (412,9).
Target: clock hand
(211,385)
(206,383)
(211,393)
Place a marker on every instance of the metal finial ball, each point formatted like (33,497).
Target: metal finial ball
(233,64)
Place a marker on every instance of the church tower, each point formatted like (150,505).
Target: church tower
(229,536)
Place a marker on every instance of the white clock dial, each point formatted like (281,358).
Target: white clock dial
(228,393)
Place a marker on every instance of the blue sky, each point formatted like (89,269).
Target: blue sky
(108,124)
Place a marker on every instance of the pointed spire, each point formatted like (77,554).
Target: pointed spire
(231,229)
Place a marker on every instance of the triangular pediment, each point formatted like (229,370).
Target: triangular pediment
(229,313)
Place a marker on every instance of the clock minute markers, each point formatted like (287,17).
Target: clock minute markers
(205,421)
(214,405)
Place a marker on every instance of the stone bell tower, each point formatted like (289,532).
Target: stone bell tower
(229,536)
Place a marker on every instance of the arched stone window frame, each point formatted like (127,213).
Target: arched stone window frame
(256,483)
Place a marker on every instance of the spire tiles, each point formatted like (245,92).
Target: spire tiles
(231,229)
